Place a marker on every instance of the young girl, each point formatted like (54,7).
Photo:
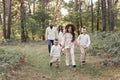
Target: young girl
(68,43)
(84,42)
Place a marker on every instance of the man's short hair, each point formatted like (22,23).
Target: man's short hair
(84,27)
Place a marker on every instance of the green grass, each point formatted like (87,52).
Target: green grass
(37,65)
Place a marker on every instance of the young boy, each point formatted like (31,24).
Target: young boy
(84,42)
(55,53)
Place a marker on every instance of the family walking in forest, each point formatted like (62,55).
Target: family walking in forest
(65,39)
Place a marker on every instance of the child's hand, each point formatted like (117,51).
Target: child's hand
(78,45)
(60,45)
(51,57)
(63,46)
(62,52)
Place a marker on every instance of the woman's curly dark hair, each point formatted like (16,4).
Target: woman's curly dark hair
(73,29)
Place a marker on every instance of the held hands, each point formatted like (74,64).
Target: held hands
(62,52)
(77,43)
(63,46)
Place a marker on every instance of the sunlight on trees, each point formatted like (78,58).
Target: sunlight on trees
(38,13)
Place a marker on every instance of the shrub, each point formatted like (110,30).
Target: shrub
(9,60)
(108,44)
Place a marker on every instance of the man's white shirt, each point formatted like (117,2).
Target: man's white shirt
(51,34)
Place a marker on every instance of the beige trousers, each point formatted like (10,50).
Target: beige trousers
(55,60)
(83,50)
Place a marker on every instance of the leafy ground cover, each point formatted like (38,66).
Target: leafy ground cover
(100,61)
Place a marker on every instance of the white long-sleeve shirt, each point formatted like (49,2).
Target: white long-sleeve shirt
(55,51)
(84,40)
(67,40)
(51,34)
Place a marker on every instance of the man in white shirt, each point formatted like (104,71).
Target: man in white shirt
(51,34)
(84,42)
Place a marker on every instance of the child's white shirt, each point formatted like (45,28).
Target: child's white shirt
(84,40)
(55,51)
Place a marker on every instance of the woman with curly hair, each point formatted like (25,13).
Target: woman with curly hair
(68,42)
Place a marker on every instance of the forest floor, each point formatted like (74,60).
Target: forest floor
(37,67)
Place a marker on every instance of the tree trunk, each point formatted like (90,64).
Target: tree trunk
(77,5)
(22,10)
(92,26)
(9,19)
(81,23)
(4,19)
(103,3)
(43,37)
(98,14)
(29,8)
(34,7)
(78,29)
(111,15)
(1,19)
(33,38)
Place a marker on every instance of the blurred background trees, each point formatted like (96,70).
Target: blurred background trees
(27,19)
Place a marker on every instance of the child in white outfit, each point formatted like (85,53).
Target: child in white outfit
(84,42)
(55,53)
(68,43)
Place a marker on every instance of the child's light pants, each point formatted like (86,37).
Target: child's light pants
(72,57)
(83,50)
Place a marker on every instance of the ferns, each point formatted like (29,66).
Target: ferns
(8,61)
(106,43)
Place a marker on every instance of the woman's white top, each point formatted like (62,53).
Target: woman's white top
(60,36)
(67,40)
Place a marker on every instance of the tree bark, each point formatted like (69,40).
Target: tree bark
(80,4)
(22,10)
(4,19)
(1,19)
(110,15)
(103,3)
(98,14)
(9,19)
(92,21)
(34,7)
(29,8)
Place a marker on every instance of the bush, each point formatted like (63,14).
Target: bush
(103,42)
(9,60)
(106,44)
